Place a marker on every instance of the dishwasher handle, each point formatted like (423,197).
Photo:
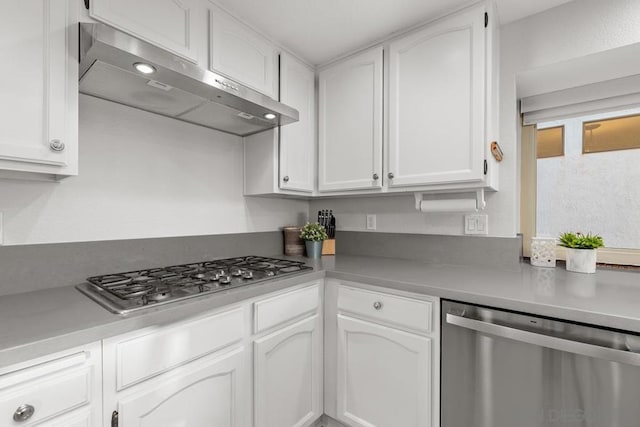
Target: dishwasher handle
(556,343)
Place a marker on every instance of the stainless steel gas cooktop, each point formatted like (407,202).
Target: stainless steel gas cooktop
(137,290)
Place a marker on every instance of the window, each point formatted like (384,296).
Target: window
(583,174)
(617,133)
(550,142)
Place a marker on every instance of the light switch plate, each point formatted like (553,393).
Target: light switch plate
(371,222)
(476,224)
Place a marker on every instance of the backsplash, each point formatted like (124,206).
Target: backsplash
(28,268)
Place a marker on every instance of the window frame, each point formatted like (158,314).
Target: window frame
(529,200)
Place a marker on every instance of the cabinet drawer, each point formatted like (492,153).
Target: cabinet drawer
(51,389)
(411,313)
(281,308)
(157,351)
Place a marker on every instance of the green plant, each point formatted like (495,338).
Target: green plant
(314,232)
(581,241)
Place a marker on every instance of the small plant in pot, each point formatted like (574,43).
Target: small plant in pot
(313,235)
(581,251)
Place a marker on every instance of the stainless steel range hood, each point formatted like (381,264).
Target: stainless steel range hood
(175,87)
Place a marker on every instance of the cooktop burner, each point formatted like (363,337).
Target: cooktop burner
(135,290)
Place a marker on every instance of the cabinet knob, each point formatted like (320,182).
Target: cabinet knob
(377,305)
(23,413)
(286,178)
(375,177)
(56,145)
(390,175)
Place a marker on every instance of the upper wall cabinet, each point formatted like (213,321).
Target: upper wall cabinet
(350,124)
(39,87)
(282,161)
(240,53)
(437,103)
(173,25)
(297,140)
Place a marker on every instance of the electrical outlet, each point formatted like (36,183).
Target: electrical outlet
(371,222)
(476,224)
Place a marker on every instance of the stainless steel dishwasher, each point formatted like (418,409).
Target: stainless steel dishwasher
(506,369)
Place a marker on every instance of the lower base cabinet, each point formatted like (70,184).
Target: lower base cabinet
(59,390)
(288,375)
(203,393)
(384,376)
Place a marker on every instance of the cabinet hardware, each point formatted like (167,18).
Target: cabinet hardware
(286,178)
(114,419)
(486,19)
(390,175)
(375,177)
(23,413)
(86,4)
(377,305)
(486,166)
(56,145)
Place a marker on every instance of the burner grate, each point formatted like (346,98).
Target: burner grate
(143,287)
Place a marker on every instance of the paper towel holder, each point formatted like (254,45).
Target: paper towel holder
(481,204)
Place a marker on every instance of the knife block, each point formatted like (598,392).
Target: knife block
(329,247)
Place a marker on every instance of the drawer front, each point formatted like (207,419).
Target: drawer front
(49,396)
(411,313)
(144,356)
(282,308)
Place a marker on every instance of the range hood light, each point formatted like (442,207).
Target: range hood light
(269,116)
(144,68)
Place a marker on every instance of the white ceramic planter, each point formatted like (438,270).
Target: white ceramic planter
(581,260)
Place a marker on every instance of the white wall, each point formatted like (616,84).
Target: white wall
(570,31)
(142,175)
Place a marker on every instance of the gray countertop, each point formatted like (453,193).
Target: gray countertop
(36,323)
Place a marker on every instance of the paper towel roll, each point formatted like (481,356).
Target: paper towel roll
(448,205)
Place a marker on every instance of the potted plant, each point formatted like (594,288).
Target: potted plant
(313,234)
(581,251)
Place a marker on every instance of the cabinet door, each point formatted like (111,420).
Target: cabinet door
(384,376)
(39,86)
(200,394)
(350,127)
(436,106)
(240,53)
(168,24)
(81,418)
(297,140)
(288,376)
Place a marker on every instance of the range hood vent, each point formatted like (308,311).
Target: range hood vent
(118,67)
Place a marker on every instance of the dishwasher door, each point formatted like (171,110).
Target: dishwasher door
(505,369)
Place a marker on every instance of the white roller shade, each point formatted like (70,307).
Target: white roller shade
(582,100)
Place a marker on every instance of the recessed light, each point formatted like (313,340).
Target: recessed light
(269,116)
(144,68)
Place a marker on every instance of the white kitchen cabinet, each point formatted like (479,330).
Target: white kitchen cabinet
(282,161)
(173,25)
(384,376)
(288,375)
(240,53)
(173,374)
(39,87)
(297,140)
(207,392)
(437,103)
(381,357)
(59,390)
(350,123)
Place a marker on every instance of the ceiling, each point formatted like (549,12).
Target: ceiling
(321,30)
